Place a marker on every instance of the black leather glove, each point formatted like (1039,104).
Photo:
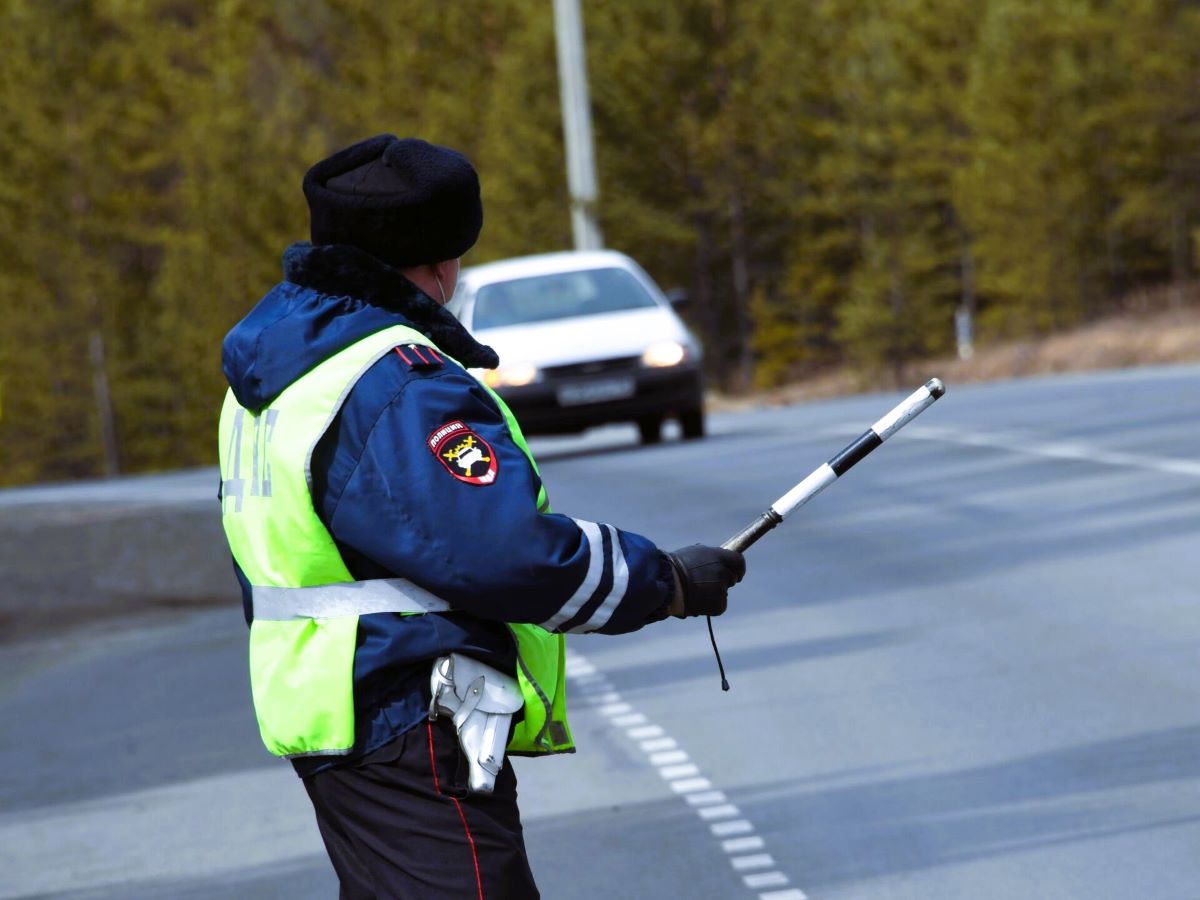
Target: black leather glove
(705,576)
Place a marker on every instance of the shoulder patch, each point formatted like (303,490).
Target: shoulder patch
(419,357)
(466,455)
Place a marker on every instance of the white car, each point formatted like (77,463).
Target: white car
(584,338)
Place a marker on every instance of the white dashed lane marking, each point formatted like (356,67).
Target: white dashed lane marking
(706,798)
(668,757)
(743,845)
(658,743)
(670,773)
(689,785)
(627,720)
(735,833)
(757,861)
(648,731)
(737,826)
(724,811)
(614,709)
(765,880)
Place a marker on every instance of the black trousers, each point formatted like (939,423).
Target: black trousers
(400,824)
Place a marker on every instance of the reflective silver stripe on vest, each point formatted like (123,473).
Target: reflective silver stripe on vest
(348,598)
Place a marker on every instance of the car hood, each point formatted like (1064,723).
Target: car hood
(583,338)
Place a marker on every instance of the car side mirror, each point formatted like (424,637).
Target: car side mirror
(677,297)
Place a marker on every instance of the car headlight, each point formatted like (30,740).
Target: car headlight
(663,354)
(516,375)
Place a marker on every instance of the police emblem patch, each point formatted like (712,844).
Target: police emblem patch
(466,455)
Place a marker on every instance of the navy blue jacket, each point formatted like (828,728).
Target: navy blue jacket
(396,509)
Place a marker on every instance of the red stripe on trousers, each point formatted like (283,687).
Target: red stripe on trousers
(462,815)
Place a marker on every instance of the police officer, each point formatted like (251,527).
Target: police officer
(385,514)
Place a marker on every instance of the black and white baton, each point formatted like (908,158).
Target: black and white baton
(829,472)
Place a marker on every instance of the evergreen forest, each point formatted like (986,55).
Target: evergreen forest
(831,181)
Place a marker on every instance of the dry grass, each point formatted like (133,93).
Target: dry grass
(1146,335)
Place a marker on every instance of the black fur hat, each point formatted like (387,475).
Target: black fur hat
(406,202)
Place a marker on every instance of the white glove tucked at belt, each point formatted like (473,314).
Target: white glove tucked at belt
(482,701)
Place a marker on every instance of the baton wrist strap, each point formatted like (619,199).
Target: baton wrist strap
(720,666)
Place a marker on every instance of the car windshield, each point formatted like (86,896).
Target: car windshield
(562,295)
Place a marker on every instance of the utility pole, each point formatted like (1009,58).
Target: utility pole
(577,124)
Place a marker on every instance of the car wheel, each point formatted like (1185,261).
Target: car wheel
(692,424)
(650,429)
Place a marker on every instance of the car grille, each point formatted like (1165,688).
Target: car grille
(594,367)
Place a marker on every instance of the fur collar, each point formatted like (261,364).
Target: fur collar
(342,270)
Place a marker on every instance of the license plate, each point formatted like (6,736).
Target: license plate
(596,391)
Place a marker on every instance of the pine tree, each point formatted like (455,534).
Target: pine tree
(521,162)
(240,144)
(70,217)
(680,173)
(874,261)
(1152,125)
(651,98)
(830,180)
(795,128)
(1033,192)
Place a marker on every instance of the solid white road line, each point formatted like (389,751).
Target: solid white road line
(1029,445)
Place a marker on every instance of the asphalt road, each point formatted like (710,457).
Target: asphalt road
(970,669)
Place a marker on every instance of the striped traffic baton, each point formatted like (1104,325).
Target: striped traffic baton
(916,403)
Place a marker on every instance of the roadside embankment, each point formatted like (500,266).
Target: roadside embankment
(1156,330)
(71,554)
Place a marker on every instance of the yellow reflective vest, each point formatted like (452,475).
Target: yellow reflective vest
(304,600)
